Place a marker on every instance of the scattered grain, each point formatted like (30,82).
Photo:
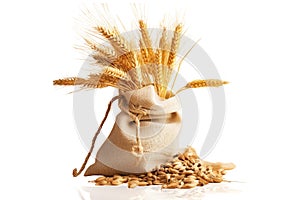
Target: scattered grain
(185,171)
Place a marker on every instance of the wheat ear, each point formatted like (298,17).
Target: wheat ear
(143,52)
(146,40)
(110,77)
(116,41)
(158,72)
(102,50)
(124,79)
(163,46)
(181,60)
(69,81)
(164,51)
(144,60)
(203,83)
(116,73)
(172,57)
(101,81)
(174,45)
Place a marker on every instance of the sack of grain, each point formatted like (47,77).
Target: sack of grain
(146,131)
(143,137)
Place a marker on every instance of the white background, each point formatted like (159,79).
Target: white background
(254,44)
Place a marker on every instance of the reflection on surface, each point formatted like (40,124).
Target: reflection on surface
(154,192)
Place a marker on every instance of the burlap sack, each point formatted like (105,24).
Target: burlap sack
(145,134)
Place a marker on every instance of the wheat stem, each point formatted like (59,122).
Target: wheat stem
(180,63)
(202,83)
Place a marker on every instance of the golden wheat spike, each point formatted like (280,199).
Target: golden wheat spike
(117,76)
(124,78)
(101,60)
(116,73)
(135,74)
(122,63)
(100,81)
(144,61)
(147,53)
(163,61)
(159,78)
(102,54)
(143,52)
(91,84)
(174,45)
(108,77)
(206,83)
(101,49)
(69,81)
(146,40)
(158,72)
(116,41)
(163,46)
(171,58)
(203,83)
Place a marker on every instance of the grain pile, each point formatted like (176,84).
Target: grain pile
(185,171)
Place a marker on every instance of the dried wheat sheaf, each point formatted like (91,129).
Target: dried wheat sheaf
(127,68)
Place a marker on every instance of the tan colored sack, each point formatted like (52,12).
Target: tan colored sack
(145,133)
(130,149)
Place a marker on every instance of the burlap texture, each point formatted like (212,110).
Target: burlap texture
(160,123)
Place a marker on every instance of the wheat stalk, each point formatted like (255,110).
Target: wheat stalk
(146,40)
(122,63)
(171,58)
(116,73)
(101,60)
(108,77)
(203,83)
(164,48)
(146,50)
(116,41)
(69,81)
(143,52)
(125,57)
(102,80)
(124,79)
(106,52)
(179,64)
(144,61)
(136,68)
(174,45)
(158,76)
(206,83)
(102,54)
